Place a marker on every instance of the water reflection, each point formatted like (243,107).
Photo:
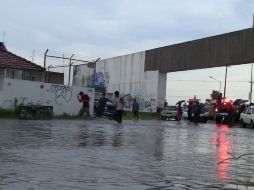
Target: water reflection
(100,136)
(83,137)
(158,150)
(145,155)
(222,149)
(117,137)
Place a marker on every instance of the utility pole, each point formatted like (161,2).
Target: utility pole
(216,80)
(251,70)
(225,85)
(45,56)
(251,83)
(69,82)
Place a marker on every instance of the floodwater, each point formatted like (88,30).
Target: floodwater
(102,155)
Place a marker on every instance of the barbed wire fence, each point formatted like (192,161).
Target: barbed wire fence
(62,62)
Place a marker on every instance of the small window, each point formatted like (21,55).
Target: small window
(2,73)
(249,111)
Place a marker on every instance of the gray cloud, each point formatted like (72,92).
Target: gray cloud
(109,28)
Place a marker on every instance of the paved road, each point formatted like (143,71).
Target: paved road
(101,154)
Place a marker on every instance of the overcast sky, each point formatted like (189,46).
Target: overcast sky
(107,28)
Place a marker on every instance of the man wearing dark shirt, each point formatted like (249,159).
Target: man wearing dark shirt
(135,110)
(102,103)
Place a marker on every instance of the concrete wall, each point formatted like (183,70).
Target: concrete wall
(62,98)
(54,77)
(162,86)
(126,74)
(233,48)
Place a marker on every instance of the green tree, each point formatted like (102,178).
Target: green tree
(215,95)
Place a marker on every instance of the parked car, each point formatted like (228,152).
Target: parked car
(239,106)
(204,115)
(185,113)
(169,112)
(224,111)
(247,116)
(110,108)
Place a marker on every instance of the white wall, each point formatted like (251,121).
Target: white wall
(62,98)
(126,74)
(162,85)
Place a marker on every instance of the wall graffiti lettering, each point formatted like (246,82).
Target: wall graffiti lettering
(85,76)
(14,103)
(128,101)
(62,93)
(145,103)
(99,79)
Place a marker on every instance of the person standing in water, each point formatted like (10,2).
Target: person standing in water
(135,109)
(119,107)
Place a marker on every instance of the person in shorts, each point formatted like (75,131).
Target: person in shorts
(135,109)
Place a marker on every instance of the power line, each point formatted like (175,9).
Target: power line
(203,81)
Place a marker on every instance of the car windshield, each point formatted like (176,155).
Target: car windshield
(172,108)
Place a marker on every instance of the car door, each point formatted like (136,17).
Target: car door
(248,115)
(252,114)
(244,115)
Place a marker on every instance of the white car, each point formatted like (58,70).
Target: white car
(247,116)
(185,113)
(169,112)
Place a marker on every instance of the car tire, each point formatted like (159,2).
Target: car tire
(252,124)
(218,119)
(243,124)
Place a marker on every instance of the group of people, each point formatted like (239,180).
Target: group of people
(119,106)
(193,111)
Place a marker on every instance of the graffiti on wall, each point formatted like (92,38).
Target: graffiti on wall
(61,93)
(99,79)
(14,103)
(146,103)
(85,76)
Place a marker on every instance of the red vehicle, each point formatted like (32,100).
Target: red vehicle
(224,110)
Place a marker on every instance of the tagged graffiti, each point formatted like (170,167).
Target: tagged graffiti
(14,103)
(128,101)
(145,103)
(87,77)
(99,79)
(62,93)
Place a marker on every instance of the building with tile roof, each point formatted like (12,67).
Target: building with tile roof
(10,60)
(16,67)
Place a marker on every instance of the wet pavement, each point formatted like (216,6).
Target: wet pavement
(100,154)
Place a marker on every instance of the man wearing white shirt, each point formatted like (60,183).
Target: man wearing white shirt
(119,107)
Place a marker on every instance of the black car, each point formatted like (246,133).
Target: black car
(224,111)
(203,113)
(110,109)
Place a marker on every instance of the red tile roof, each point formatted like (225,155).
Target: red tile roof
(10,60)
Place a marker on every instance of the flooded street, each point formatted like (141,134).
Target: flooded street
(100,154)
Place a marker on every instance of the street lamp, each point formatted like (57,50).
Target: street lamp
(251,82)
(216,80)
